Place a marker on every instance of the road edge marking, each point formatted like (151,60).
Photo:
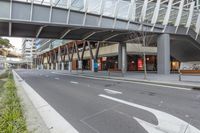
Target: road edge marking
(53,120)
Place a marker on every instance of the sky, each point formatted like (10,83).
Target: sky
(17,42)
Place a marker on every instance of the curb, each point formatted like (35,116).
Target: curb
(54,122)
(34,121)
(183,85)
(194,87)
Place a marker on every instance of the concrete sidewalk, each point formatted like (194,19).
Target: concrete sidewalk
(152,77)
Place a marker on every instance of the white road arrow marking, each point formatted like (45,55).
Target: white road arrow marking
(167,123)
(112,91)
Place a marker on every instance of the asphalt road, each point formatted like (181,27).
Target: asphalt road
(105,106)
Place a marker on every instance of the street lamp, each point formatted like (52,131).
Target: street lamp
(144,44)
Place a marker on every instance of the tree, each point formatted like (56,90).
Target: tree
(5,43)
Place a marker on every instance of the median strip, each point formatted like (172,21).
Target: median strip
(11,115)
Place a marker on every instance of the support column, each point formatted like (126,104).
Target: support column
(163,54)
(41,66)
(48,66)
(119,56)
(92,65)
(62,66)
(52,66)
(69,66)
(80,64)
(122,57)
(56,66)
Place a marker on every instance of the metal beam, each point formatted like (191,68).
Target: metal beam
(178,19)
(156,12)
(68,54)
(89,35)
(167,15)
(110,37)
(57,2)
(131,13)
(83,50)
(90,49)
(189,21)
(65,33)
(143,12)
(39,31)
(77,52)
(115,13)
(72,55)
(97,50)
(101,12)
(197,26)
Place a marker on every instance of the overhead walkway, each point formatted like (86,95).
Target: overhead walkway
(176,23)
(100,20)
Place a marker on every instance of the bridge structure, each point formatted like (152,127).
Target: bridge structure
(176,23)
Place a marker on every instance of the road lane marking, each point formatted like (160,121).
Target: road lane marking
(74,82)
(57,78)
(112,91)
(135,82)
(50,116)
(166,122)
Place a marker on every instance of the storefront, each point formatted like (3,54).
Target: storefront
(135,63)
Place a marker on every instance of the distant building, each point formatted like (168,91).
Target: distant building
(29,52)
(28,48)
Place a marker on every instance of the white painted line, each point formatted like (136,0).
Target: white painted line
(118,80)
(74,82)
(166,122)
(57,78)
(112,91)
(54,121)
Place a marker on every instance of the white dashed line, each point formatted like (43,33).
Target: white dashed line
(74,82)
(57,78)
(112,91)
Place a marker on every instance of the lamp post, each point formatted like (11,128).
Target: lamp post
(144,44)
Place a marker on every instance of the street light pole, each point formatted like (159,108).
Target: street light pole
(144,54)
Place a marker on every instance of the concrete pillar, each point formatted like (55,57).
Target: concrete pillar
(80,64)
(48,66)
(92,65)
(41,66)
(122,57)
(62,66)
(163,54)
(52,66)
(56,66)
(119,56)
(70,66)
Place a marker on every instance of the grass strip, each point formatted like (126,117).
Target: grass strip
(11,114)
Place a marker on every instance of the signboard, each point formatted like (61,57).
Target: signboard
(194,65)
